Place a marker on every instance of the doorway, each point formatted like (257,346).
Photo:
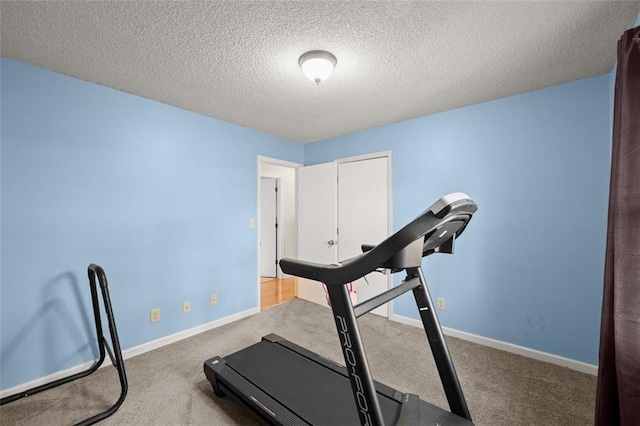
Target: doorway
(367,176)
(277,231)
(269,203)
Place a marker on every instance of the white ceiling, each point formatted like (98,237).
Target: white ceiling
(238,60)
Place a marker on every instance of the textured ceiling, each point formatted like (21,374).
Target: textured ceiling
(238,60)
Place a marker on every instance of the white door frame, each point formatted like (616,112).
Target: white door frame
(268,160)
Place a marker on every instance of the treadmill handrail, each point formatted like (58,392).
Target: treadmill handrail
(353,269)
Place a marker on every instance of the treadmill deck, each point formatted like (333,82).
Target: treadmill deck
(313,389)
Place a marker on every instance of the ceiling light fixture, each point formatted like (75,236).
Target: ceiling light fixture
(317,65)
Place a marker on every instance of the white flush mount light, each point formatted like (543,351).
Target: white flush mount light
(317,65)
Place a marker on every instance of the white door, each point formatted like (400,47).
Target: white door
(317,226)
(363,218)
(357,205)
(268,235)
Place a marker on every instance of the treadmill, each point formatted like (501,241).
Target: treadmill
(286,384)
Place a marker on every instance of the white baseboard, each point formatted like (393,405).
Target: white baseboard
(508,347)
(155,344)
(131,352)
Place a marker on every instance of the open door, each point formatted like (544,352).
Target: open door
(317,223)
(342,205)
(268,227)
(363,218)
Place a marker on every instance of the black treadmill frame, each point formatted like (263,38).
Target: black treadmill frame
(230,383)
(362,383)
(434,231)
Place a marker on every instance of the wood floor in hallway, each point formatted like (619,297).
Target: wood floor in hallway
(274,291)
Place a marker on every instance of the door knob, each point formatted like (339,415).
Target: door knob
(331,242)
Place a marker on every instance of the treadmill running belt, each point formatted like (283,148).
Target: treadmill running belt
(320,395)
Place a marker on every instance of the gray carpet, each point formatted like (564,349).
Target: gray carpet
(167,386)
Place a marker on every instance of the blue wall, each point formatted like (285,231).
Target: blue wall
(160,197)
(529,268)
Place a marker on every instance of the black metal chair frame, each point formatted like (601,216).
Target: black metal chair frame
(115,355)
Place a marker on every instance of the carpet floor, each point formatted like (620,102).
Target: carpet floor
(167,386)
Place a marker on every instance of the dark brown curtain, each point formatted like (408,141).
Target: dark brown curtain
(618,392)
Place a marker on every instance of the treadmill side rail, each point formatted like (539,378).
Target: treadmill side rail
(410,414)
(211,367)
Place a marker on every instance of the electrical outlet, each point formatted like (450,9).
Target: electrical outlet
(214,299)
(440,303)
(186,307)
(155,315)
